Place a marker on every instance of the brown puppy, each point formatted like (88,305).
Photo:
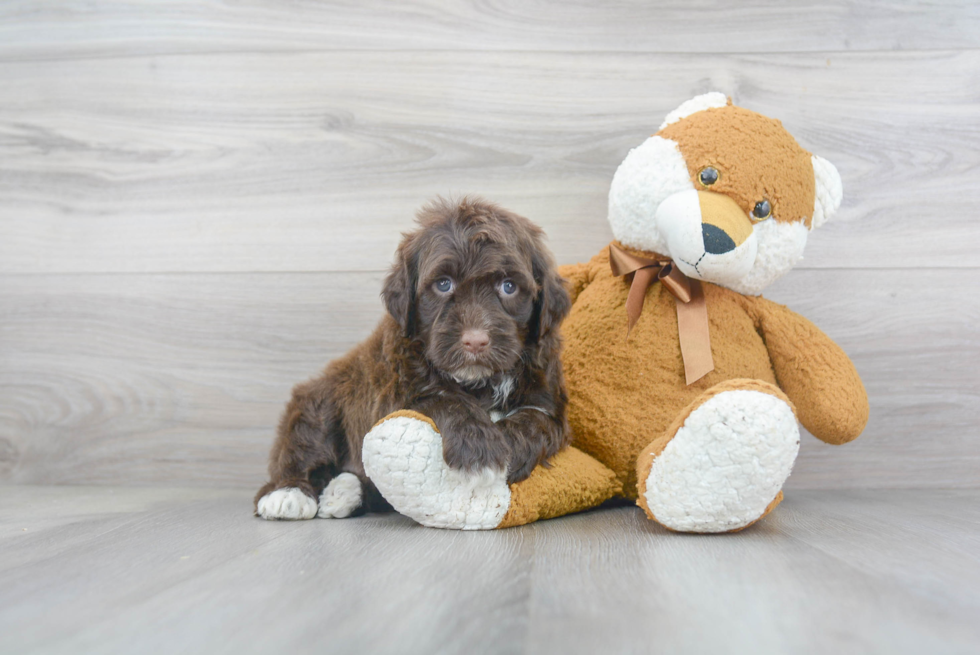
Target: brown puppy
(470,339)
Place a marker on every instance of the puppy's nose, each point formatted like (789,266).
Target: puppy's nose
(475,341)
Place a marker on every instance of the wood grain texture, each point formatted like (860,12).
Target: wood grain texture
(214,579)
(157,379)
(137,378)
(121,28)
(867,572)
(316,161)
(123,570)
(198,197)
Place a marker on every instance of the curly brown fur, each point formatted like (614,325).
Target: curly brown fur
(417,358)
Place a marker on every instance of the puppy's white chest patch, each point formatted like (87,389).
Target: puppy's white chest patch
(502,391)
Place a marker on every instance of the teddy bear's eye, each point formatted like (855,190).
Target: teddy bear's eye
(708,176)
(762,211)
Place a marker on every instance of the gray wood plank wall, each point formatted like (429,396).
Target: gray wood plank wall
(198,200)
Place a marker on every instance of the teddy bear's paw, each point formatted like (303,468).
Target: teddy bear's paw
(725,466)
(341,497)
(403,457)
(286,504)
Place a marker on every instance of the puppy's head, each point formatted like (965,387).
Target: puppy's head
(476,285)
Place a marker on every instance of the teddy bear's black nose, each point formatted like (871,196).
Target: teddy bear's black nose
(716,241)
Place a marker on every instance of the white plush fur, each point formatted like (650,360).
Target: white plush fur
(287,504)
(695,104)
(653,207)
(725,464)
(341,497)
(829,190)
(679,221)
(403,457)
(651,173)
(780,248)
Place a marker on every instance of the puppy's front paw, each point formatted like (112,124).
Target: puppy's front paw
(534,437)
(403,457)
(473,446)
(341,497)
(288,504)
(520,470)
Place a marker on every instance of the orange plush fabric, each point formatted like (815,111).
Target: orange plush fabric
(757,158)
(627,395)
(813,371)
(573,482)
(624,393)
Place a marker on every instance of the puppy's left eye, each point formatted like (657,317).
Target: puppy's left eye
(444,285)
(507,287)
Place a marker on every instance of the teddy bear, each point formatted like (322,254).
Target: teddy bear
(685,385)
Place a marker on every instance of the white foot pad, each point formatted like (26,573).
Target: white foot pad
(726,463)
(341,497)
(403,457)
(288,503)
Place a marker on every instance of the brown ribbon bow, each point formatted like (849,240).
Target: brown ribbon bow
(692,313)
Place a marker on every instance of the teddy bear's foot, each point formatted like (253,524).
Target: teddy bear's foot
(722,465)
(403,457)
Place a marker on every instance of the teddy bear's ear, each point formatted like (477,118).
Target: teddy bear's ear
(828,192)
(698,103)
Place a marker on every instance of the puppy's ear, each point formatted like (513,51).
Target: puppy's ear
(398,290)
(553,302)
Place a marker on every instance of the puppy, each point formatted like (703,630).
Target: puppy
(471,340)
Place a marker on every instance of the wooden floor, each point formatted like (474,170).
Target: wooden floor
(124,570)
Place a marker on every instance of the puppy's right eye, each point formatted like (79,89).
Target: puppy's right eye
(444,285)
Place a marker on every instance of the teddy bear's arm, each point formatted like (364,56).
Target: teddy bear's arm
(577,277)
(814,372)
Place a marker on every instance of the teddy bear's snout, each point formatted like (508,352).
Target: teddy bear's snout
(709,236)
(716,242)
(724,226)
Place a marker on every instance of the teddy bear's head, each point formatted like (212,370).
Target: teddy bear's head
(725,192)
